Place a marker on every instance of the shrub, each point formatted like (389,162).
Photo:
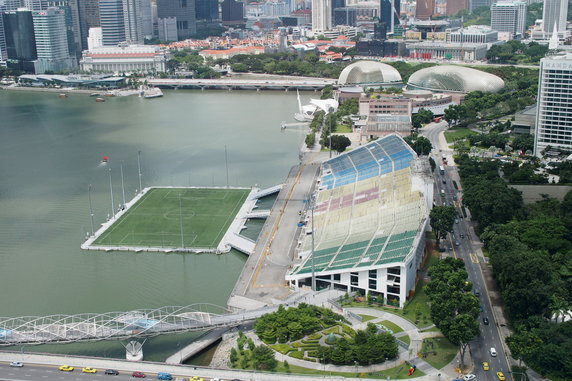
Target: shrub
(315,336)
(297,354)
(348,330)
(282,348)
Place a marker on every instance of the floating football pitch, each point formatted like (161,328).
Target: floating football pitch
(156,219)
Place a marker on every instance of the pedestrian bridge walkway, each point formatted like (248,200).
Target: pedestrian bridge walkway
(120,325)
(258,214)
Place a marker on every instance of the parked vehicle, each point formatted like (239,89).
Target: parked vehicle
(16,364)
(164,376)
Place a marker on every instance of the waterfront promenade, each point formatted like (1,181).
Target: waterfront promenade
(243,84)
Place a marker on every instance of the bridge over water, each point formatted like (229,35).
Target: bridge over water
(243,84)
(120,325)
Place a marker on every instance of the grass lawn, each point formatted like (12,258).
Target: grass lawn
(445,351)
(406,339)
(453,134)
(432,258)
(155,220)
(365,318)
(343,128)
(390,325)
(397,373)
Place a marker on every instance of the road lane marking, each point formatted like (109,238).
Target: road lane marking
(474,258)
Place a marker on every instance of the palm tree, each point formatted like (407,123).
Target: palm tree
(559,307)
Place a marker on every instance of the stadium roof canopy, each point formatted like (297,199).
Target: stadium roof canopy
(455,78)
(369,72)
(367,213)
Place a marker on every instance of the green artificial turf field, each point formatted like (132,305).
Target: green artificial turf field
(156,219)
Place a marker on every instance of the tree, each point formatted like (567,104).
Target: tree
(462,330)
(523,344)
(340,143)
(442,219)
(263,358)
(420,144)
(310,139)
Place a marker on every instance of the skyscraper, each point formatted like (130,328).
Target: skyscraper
(3,51)
(51,41)
(554,13)
(88,18)
(424,9)
(12,5)
(321,15)
(509,17)
(478,3)
(112,21)
(455,6)
(389,13)
(133,21)
(232,12)
(35,5)
(20,40)
(184,11)
(206,9)
(553,126)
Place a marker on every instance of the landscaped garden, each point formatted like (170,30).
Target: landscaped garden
(438,351)
(319,335)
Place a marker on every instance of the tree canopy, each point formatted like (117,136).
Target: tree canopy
(420,144)
(442,220)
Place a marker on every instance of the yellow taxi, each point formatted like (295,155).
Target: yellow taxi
(196,378)
(501,376)
(87,369)
(485,365)
(66,368)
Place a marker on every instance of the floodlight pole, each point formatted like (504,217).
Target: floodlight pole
(90,210)
(139,166)
(226,163)
(313,262)
(181,222)
(111,193)
(122,184)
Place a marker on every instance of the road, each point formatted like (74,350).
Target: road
(468,249)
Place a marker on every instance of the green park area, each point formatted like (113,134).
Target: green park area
(457,133)
(176,217)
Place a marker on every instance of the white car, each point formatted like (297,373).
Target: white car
(493,352)
(16,364)
(469,377)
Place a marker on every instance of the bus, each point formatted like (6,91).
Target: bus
(441,170)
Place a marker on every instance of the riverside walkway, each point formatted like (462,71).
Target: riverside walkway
(243,84)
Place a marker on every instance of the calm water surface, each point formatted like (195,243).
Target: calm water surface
(50,152)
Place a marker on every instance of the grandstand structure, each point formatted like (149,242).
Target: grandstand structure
(370,211)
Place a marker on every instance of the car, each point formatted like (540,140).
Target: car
(196,378)
(87,369)
(164,376)
(111,372)
(493,352)
(477,293)
(457,243)
(469,377)
(456,221)
(138,375)
(485,365)
(500,376)
(444,181)
(486,321)
(66,368)
(462,236)
(450,248)
(16,364)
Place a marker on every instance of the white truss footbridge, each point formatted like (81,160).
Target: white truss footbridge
(120,325)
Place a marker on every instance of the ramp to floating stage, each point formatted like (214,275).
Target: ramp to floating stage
(265,192)
(240,243)
(258,214)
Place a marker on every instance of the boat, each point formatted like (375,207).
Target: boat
(105,159)
(99,99)
(306,113)
(94,94)
(152,92)
(63,95)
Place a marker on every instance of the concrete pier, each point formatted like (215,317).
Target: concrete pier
(196,346)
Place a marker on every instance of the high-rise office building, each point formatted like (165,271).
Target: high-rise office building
(12,5)
(232,12)
(88,18)
(479,3)
(321,15)
(424,9)
(35,5)
(51,41)
(554,13)
(345,16)
(554,115)
(206,10)
(509,17)
(389,14)
(184,11)
(112,21)
(456,6)
(20,39)
(133,21)
(146,18)
(3,51)
(73,25)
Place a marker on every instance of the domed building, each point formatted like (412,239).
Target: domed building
(369,73)
(451,78)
